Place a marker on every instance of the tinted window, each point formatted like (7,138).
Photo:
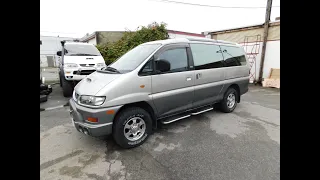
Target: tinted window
(147,68)
(78,49)
(132,59)
(177,58)
(234,56)
(206,56)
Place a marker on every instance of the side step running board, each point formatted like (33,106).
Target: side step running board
(196,113)
(173,120)
(168,121)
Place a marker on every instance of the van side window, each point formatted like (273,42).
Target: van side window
(147,69)
(206,56)
(176,59)
(233,56)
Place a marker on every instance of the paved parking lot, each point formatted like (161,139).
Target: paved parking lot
(242,145)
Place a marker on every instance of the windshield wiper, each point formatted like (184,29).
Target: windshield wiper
(112,69)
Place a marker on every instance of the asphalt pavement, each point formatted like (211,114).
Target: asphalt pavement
(242,145)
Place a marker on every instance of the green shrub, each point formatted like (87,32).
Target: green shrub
(153,32)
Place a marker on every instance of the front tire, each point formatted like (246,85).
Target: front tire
(229,102)
(132,127)
(67,87)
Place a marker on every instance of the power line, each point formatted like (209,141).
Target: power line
(204,5)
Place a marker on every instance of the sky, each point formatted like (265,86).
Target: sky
(75,18)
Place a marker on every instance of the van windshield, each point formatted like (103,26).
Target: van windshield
(133,58)
(81,50)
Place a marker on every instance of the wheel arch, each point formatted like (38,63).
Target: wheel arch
(144,105)
(237,88)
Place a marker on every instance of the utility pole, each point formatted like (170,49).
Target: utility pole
(265,38)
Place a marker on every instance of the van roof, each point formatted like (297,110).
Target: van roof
(188,40)
(78,43)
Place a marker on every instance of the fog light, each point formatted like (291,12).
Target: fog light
(91,119)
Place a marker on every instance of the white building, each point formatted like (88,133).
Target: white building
(48,49)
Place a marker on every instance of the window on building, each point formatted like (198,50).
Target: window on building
(234,56)
(206,56)
(177,58)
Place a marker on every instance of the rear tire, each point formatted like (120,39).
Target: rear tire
(132,127)
(67,87)
(229,102)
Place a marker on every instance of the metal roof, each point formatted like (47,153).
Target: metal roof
(188,40)
(90,36)
(82,43)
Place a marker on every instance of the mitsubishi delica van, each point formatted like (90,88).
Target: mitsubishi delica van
(160,81)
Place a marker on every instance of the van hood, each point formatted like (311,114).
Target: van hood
(93,83)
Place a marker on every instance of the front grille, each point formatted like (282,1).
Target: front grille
(86,65)
(84,72)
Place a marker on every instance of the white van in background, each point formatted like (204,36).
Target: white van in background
(77,61)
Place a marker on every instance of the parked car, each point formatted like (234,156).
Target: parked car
(160,81)
(77,61)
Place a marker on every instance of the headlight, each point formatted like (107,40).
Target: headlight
(101,64)
(92,100)
(70,65)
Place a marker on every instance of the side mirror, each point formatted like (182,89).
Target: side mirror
(163,65)
(59,53)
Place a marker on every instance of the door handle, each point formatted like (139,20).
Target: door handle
(198,76)
(189,79)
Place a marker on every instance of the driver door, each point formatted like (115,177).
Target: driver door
(173,91)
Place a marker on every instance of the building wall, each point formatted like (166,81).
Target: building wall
(208,36)
(108,36)
(49,47)
(50,44)
(92,41)
(43,61)
(239,36)
(274,33)
(272,59)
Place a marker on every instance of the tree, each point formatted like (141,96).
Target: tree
(114,50)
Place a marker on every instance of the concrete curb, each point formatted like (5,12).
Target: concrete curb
(55,107)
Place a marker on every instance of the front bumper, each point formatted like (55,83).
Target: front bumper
(74,77)
(77,74)
(79,114)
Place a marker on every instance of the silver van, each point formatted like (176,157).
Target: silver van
(163,81)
